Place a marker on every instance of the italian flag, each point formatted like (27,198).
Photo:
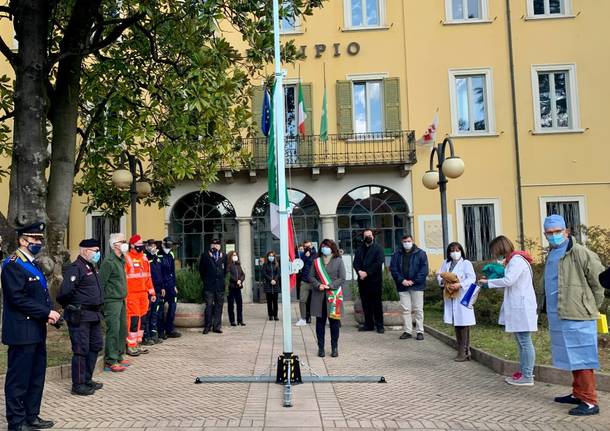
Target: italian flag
(273,193)
(301,115)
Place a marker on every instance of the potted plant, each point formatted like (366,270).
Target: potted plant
(392,312)
(189,309)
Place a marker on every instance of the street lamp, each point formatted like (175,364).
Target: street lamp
(126,179)
(450,167)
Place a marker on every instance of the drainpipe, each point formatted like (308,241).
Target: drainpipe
(515,124)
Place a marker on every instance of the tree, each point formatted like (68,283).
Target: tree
(156,77)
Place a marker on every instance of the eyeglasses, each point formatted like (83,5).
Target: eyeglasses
(553,231)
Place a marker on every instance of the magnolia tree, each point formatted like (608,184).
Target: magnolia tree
(92,78)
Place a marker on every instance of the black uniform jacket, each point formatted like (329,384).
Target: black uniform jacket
(81,286)
(26,301)
(212,271)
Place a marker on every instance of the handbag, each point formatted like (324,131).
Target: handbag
(471,296)
(602,324)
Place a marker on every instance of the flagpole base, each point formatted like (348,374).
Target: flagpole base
(288,369)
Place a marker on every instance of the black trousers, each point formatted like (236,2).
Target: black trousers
(371,306)
(213,309)
(234,301)
(24,382)
(321,328)
(87,342)
(272,304)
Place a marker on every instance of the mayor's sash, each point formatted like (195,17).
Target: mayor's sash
(335,296)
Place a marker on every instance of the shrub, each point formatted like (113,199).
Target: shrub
(388,288)
(189,286)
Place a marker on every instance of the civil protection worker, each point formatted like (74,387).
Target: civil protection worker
(82,297)
(27,310)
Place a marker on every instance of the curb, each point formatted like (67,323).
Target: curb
(58,373)
(543,373)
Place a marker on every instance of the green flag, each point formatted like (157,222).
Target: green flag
(324,120)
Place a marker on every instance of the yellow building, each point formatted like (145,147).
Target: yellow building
(520,92)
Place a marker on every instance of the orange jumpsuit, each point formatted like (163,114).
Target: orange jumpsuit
(139,286)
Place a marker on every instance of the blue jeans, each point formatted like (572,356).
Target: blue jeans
(527,353)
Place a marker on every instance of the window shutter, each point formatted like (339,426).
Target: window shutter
(391,98)
(344,108)
(257,109)
(307,97)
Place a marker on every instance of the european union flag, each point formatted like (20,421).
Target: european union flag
(266,114)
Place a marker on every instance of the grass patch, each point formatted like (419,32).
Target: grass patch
(59,351)
(493,339)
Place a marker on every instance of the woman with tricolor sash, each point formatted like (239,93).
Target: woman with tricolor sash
(327,278)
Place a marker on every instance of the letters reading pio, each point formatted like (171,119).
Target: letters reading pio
(353,48)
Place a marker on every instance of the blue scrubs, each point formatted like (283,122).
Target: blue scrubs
(573,342)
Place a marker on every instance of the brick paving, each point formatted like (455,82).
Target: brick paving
(426,390)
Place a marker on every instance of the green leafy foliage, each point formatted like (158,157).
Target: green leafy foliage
(189,286)
(388,292)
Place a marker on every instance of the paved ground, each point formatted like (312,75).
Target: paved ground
(425,389)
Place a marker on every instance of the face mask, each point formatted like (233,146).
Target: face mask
(556,239)
(368,239)
(95,257)
(456,255)
(166,250)
(500,260)
(407,245)
(139,248)
(271,258)
(124,248)
(152,250)
(235,258)
(34,249)
(326,251)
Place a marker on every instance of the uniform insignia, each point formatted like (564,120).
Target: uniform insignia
(73,278)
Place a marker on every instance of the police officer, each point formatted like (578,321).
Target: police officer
(169,291)
(212,271)
(27,310)
(151,322)
(82,298)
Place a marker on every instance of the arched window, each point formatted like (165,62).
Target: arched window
(199,217)
(375,207)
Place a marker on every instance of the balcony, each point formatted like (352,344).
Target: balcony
(361,149)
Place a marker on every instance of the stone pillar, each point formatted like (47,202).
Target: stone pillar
(328,226)
(244,249)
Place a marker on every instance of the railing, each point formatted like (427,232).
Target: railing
(360,149)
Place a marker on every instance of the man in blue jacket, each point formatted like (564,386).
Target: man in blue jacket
(409,267)
(170,290)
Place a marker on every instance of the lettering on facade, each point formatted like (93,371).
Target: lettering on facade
(353,48)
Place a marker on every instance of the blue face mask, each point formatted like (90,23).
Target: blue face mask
(326,251)
(271,258)
(34,249)
(556,239)
(95,257)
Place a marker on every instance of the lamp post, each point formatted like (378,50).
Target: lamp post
(126,179)
(450,167)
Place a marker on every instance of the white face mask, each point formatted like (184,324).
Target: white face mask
(124,248)
(408,245)
(456,255)
(166,250)
(235,258)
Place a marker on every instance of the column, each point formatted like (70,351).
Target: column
(244,249)
(328,226)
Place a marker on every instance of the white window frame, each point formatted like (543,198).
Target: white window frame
(297,29)
(89,223)
(459,215)
(489,101)
(567,13)
(582,210)
(573,103)
(449,19)
(368,77)
(347,16)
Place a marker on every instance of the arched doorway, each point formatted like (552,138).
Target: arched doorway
(199,217)
(375,207)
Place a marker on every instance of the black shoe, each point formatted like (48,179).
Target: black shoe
(365,329)
(174,334)
(82,390)
(233,324)
(40,423)
(583,409)
(335,352)
(380,330)
(148,342)
(206,331)
(95,385)
(270,317)
(21,427)
(568,399)
(275,318)
(405,335)
(163,336)
(217,331)
(157,340)
(308,320)
(419,336)
(321,352)
(241,323)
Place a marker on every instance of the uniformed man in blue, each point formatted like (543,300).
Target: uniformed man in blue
(27,310)
(81,295)
(170,291)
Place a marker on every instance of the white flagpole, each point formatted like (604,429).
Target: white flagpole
(278,116)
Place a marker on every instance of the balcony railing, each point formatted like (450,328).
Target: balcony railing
(360,149)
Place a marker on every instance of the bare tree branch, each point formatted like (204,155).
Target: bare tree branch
(7,116)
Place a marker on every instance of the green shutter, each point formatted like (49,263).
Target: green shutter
(308,108)
(257,109)
(391,98)
(344,108)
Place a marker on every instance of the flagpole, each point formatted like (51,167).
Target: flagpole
(278,103)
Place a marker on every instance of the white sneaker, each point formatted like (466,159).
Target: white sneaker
(301,322)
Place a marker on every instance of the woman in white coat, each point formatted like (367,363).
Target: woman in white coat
(519,313)
(462,318)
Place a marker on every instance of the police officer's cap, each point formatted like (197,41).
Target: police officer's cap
(169,239)
(215,241)
(35,230)
(150,241)
(89,243)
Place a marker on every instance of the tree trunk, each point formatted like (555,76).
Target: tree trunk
(28,185)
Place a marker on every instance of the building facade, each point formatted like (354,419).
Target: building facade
(519,86)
